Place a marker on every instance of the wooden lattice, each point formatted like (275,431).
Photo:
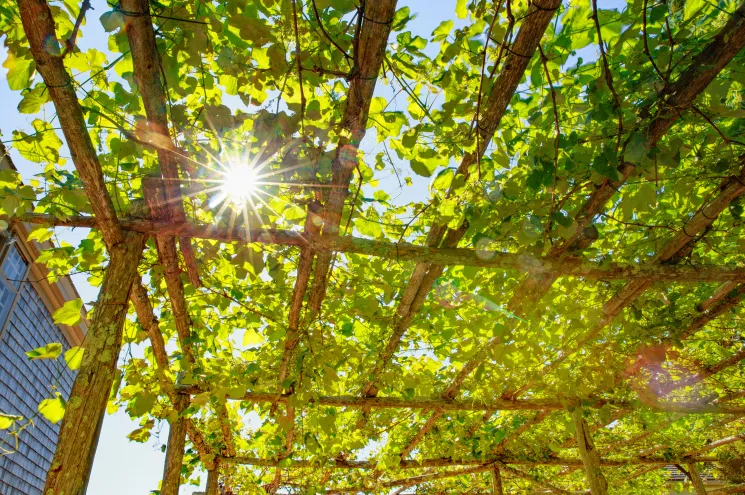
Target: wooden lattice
(561,313)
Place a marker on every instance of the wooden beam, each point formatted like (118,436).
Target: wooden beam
(213,487)
(147,74)
(175,451)
(38,23)
(149,323)
(449,462)
(588,454)
(87,403)
(438,403)
(426,272)
(569,266)
(676,97)
(496,481)
(695,477)
(369,52)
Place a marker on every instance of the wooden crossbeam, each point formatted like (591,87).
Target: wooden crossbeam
(574,267)
(449,462)
(358,402)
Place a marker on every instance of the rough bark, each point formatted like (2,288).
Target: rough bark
(444,256)
(695,477)
(305,265)
(90,392)
(166,245)
(175,451)
(484,463)
(439,403)
(589,455)
(496,481)
(212,478)
(729,190)
(147,74)
(38,24)
(149,322)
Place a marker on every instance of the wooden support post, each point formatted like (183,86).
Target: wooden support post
(87,404)
(589,455)
(212,477)
(695,477)
(175,450)
(496,481)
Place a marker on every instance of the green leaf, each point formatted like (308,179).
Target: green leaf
(692,7)
(636,148)
(20,70)
(53,409)
(74,357)
(69,313)
(442,30)
(461,8)
(49,351)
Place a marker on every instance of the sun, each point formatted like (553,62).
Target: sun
(239,183)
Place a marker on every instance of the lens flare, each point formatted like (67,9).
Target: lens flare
(239,183)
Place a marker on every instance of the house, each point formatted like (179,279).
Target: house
(27,301)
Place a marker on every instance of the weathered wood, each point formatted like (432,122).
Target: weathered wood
(693,474)
(424,274)
(728,190)
(213,476)
(90,393)
(496,481)
(589,455)
(168,255)
(445,256)
(175,450)
(486,463)
(370,46)
(727,490)
(38,24)
(439,403)
(147,74)
(149,322)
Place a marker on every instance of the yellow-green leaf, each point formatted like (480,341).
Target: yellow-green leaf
(53,409)
(8,420)
(69,313)
(73,357)
(252,338)
(49,351)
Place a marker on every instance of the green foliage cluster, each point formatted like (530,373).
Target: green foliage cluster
(233,89)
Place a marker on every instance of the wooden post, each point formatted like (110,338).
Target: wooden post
(695,477)
(588,454)
(175,450)
(86,407)
(496,481)
(212,476)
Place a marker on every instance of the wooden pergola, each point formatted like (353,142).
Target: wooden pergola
(204,415)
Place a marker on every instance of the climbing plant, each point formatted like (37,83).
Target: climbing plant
(342,250)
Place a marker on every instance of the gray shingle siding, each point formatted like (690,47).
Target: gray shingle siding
(24,383)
